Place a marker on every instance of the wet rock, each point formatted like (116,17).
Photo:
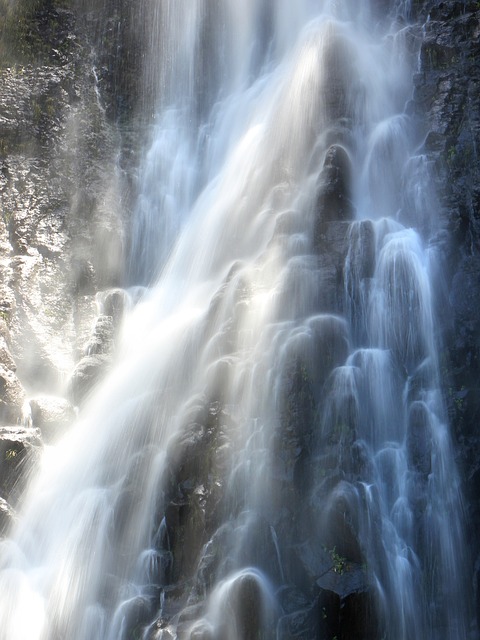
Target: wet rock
(161,634)
(331,239)
(421,381)
(52,415)
(194,494)
(12,397)
(214,561)
(7,517)
(297,414)
(19,447)
(338,516)
(258,546)
(344,579)
(38,32)
(132,616)
(113,303)
(362,463)
(360,261)
(245,607)
(329,347)
(83,276)
(419,438)
(361,249)
(312,560)
(6,358)
(299,624)
(87,374)
(102,338)
(342,608)
(476,589)
(338,76)
(41,327)
(330,284)
(465,294)
(337,424)
(187,627)
(447,104)
(334,187)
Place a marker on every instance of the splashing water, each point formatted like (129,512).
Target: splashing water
(274,427)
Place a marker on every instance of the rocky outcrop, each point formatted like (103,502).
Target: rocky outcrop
(446,102)
(52,416)
(62,211)
(18,452)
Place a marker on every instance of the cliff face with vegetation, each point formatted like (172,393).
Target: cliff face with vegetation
(70,127)
(446,100)
(64,198)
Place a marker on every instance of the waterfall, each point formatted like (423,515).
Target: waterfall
(270,456)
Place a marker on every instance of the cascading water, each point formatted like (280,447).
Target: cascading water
(270,457)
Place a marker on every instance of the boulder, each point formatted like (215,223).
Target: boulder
(102,338)
(6,358)
(7,517)
(419,439)
(338,76)
(19,449)
(334,188)
(12,397)
(113,303)
(52,415)
(88,372)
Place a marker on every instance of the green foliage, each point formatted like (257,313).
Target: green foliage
(451,153)
(10,454)
(339,562)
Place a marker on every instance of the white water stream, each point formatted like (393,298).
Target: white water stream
(260,268)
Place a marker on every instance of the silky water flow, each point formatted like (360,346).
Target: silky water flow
(272,444)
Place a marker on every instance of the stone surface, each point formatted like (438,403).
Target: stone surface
(446,102)
(19,449)
(12,398)
(7,517)
(86,374)
(52,416)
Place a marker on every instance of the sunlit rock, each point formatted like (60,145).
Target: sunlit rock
(102,338)
(88,372)
(419,439)
(52,415)
(7,517)
(6,358)
(19,449)
(12,397)
(334,183)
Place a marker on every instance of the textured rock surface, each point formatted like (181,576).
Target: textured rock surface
(19,447)
(62,222)
(62,212)
(446,101)
(52,416)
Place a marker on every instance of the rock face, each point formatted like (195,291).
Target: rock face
(62,212)
(446,101)
(19,447)
(51,415)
